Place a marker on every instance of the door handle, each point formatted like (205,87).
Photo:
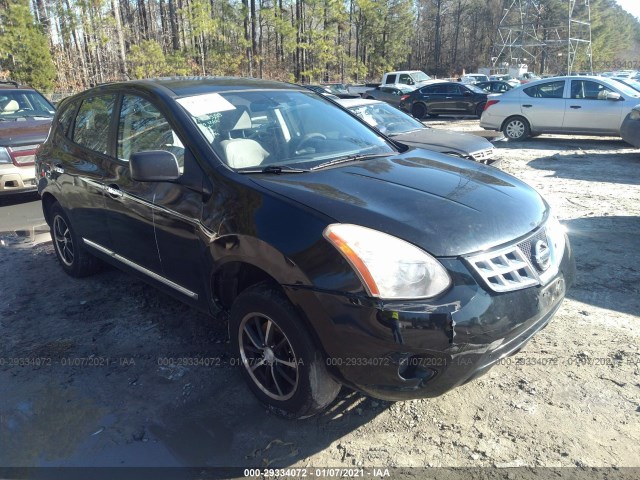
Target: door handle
(448,98)
(113,191)
(575,107)
(527,106)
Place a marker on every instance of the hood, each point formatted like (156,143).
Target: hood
(447,206)
(444,141)
(23,132)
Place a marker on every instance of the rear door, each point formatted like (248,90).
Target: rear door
(81,154)
(543,105)
(589,110)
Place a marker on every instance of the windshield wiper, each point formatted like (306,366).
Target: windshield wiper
(351,158)
(277,169)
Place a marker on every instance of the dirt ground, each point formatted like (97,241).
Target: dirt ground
(85,380)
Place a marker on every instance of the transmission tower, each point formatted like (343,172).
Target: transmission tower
(527,35)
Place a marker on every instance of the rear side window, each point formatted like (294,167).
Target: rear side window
(391,78)
(546,90)
(65,117)
(91,128)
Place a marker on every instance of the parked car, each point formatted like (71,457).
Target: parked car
(474,78)
(445,97)
(343,258)
(628,82)
(25,117)
(495,86)
(514,82)
(528,77)
(320,90)
(389,94)
(408,131)
(566,105)
(630,130)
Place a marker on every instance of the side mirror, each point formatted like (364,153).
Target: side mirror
(613,96)
(154,166)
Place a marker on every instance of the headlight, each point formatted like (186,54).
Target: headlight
(556,235)
(388,267)
(4,156)
(634,115)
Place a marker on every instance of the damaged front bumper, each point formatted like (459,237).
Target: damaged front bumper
(407,350)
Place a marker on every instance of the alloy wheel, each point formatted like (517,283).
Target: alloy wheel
(63,240)
(268,356)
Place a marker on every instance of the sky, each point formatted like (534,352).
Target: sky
(631,6)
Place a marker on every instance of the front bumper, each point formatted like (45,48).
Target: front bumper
(405,350)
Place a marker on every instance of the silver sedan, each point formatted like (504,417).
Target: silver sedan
(578,105)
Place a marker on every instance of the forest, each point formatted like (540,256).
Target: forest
(68,45)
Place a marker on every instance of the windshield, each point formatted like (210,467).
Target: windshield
(24,104)
(627,90)
(420,77)
(387,119)
(475,89)
(261,128)
(630,83)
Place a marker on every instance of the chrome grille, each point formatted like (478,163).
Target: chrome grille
(504,270)
(526,246)
(483,154)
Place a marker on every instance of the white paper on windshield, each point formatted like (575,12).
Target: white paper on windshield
(199,105)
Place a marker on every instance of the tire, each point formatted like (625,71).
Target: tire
(70,250)
(516,128)
(264,329)
(418,110)
(480,109)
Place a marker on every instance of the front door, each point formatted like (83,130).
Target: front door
(589,109)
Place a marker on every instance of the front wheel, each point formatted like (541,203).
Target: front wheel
(278,359)
(516,128)
(70,250)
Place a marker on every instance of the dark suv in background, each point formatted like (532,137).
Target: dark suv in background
(342,257)
(444,97)
(25,117)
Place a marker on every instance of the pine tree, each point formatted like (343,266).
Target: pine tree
(24,48)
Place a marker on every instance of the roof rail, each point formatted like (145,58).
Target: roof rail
(9,82)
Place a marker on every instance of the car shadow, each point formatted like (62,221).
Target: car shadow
(608,262)
(116,373)
(18,198)
(562,144)
(620,167)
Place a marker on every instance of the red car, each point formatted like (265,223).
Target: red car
(25,118)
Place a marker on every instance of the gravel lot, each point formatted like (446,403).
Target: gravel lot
(104,394)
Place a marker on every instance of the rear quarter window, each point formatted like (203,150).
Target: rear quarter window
(546,90)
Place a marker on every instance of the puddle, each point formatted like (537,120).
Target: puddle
(30,235)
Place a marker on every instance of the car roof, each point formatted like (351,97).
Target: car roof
(186,86)
(356,102)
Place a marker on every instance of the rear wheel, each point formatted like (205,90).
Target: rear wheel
(419,111)
(516,128)
(277,357)
(70,250)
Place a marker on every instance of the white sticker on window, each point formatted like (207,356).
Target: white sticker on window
(200,105)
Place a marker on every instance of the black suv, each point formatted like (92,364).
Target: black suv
(25,117)
(444,97)
(342,257)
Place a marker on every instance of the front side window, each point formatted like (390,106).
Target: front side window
(546,90)
(91,128)
(142,128)
(258,128)
(588,90)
